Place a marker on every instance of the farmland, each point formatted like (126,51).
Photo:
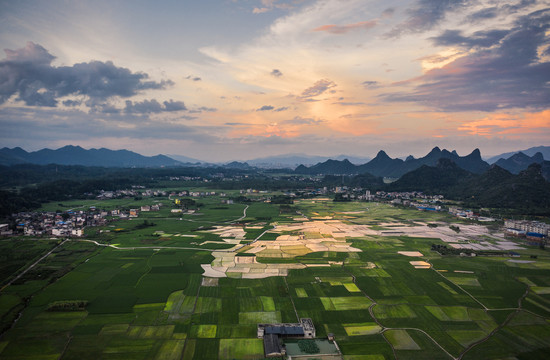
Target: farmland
(194,286)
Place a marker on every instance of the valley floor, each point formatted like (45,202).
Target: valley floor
(195,286)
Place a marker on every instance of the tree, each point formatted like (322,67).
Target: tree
(308,346)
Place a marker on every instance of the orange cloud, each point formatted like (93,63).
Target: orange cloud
(508,124)
(342,29)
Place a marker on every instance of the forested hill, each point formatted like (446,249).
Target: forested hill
(75,155)
(528,192)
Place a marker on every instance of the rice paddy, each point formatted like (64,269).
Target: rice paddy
(162,297)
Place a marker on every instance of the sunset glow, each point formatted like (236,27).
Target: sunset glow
(239,79)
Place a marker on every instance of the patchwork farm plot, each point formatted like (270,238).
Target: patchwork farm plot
(196,288)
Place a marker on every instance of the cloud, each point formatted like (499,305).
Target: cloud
(342,29)
(272,108)
(483,14)
(260,10)
(207,109)
(193,78)
(276,73)
(172,105)
(67,126)
(513,73)
(499,124)
(268,5)
(265,108)
(318,88)
(28,73)
(71,103)
(298,120)
(388,12)
(236,124)
(425,15)
(478,38)
(519,5)
(153,106)
(370,84)
(493,12)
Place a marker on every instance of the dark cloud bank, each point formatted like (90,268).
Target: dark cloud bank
(506,68)
(28,74)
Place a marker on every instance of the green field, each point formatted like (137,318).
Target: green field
(146,299)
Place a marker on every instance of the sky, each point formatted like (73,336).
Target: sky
(221,80)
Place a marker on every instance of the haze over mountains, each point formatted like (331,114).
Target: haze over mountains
(381,165)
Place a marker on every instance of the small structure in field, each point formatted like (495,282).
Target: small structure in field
(272,333)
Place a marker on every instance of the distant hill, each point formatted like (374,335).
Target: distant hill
(433,179)
(330,167)
(528,191)
(545,170)
(519,162)
(75,155)
(384,166)
(185,159)
(291,161)
(238,165)
(544,150)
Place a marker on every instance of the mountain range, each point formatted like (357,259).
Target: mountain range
(293,160)
(384,166)
(527,191)
(519,162)
(544,150)
(75,155)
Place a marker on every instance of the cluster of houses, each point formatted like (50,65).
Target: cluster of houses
(196,193)
(69,224)
(534,232)
(136,190)
(468,214)
(104,195)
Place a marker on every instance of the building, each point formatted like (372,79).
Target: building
(272,346)
(272,333)
(528,226)
(533,238)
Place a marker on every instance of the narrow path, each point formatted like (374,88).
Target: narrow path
(150,247)
(504,323)
(33,265)
(291,300)
(458,286)
(302,214)
(371,311)
(384,329)
(242,217)
(429,337)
